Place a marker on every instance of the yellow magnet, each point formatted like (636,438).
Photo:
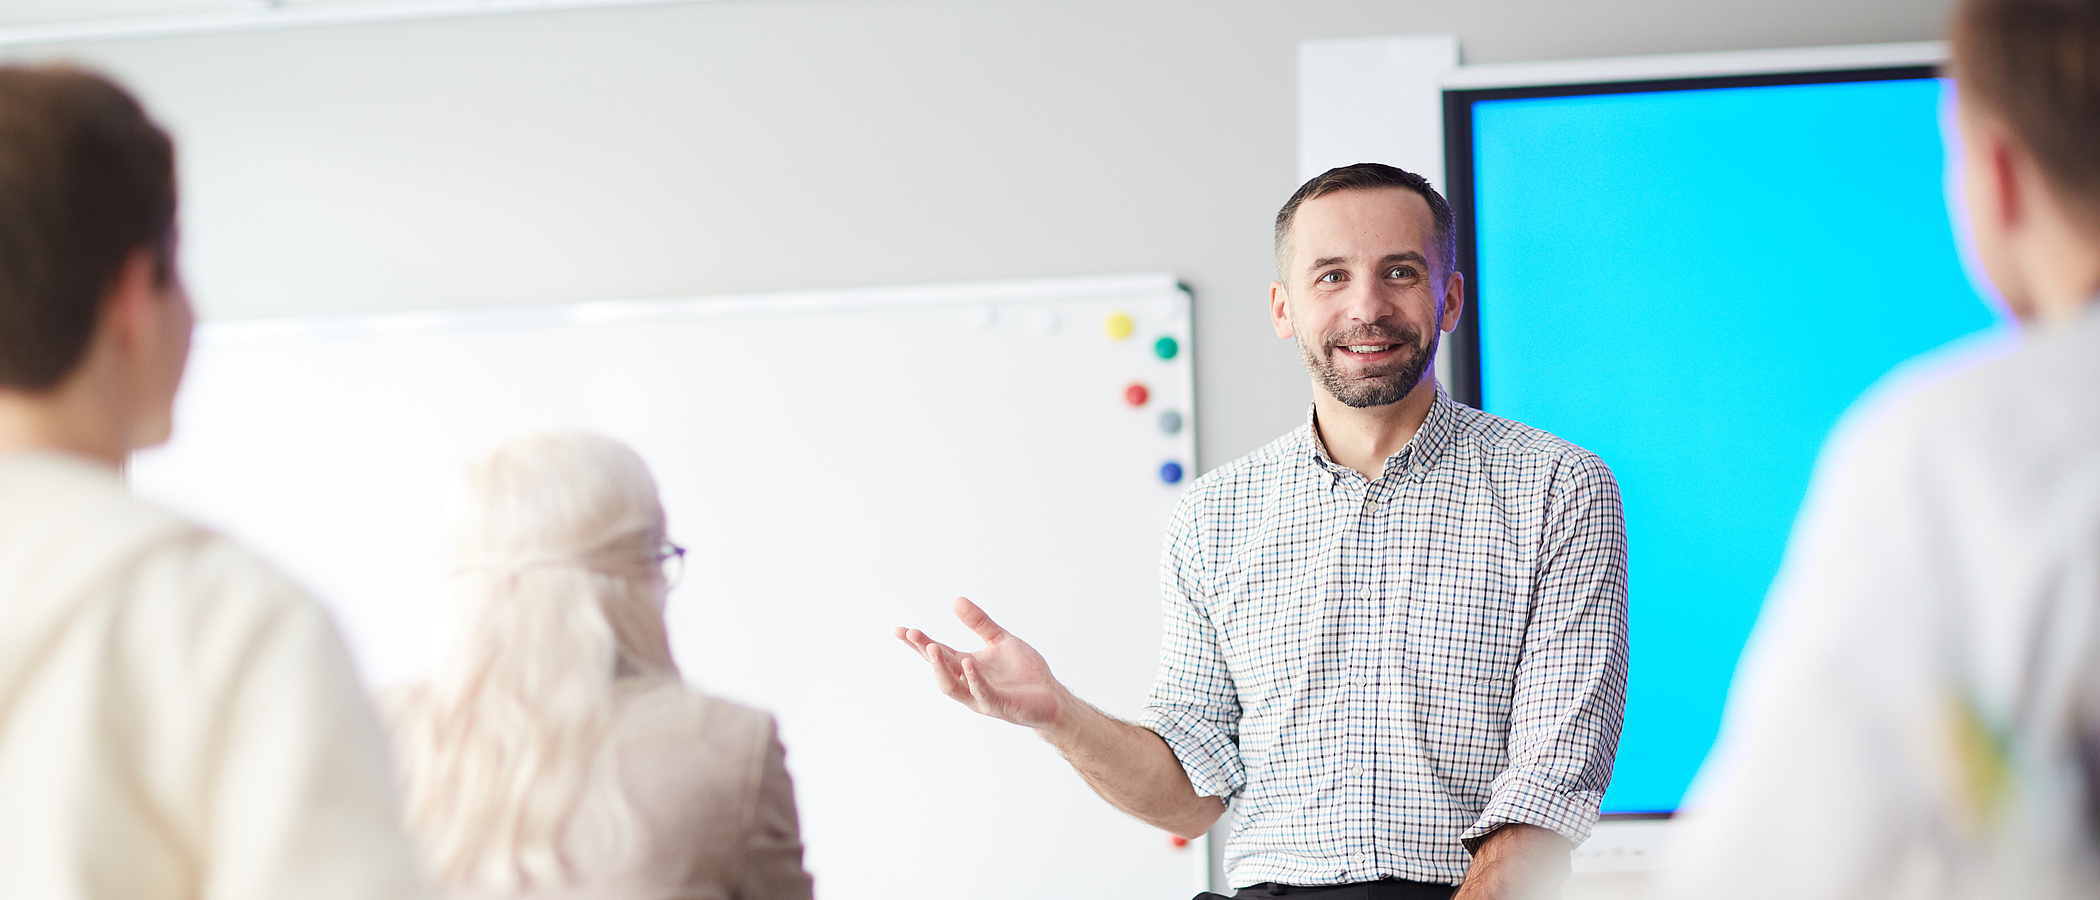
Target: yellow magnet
(1118,326)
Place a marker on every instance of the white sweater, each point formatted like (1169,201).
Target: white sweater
(1918,712)
(177,720)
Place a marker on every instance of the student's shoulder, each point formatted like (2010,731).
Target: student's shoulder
(199,568)
(2009,409)
(178,580)
(89,536)
(667,705)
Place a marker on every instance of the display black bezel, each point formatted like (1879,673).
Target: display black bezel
(1462,346)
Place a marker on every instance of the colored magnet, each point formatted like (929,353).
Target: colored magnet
(1136,395)
(1118,326)
(1177,841)
(1170,422)
(1166,347)
(1170,472)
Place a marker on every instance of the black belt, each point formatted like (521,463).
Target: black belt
(1387,889)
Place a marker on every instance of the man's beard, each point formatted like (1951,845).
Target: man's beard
(1378,386)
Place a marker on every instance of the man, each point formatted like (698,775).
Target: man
(1396,636)
(1919,711)
(176,720)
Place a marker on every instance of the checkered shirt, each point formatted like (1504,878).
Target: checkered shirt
(1377,673)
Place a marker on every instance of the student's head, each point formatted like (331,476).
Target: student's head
(557,590)
(562,524)
(89,297)
(1366,280)
(2028,82)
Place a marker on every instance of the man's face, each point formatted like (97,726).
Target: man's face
(1362,294)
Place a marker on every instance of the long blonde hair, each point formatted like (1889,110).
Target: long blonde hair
(556,592)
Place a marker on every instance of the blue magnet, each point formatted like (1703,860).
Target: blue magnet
(1170,422)
(1170,473)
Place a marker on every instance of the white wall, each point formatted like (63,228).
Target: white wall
(750,145)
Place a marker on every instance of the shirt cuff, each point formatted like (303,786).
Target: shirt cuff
(1523,798)
(1209,755)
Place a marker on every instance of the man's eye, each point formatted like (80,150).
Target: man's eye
(1331,277)
(1400,272)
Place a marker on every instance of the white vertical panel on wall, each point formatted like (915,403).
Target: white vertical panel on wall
(1373,99)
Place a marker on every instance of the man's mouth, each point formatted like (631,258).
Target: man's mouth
(1368,348)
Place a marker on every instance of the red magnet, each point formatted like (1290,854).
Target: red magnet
(1136,395)
(1178,841)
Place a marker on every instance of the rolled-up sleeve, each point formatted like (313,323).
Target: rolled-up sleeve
(1570,691)
(1194,706)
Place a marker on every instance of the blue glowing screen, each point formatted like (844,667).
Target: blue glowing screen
(1695,284)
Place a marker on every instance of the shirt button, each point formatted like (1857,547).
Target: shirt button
(1366,594)
(1355,769)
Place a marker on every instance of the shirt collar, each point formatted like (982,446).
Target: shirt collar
(1419,453)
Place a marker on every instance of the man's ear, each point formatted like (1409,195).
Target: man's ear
(1454,301)
(2009,205)
(130,307)
(1280,310)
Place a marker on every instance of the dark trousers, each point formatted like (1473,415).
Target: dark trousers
(1388,889)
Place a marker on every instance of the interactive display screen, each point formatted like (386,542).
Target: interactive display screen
(1694,280)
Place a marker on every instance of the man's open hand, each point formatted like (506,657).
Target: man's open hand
(1005,680)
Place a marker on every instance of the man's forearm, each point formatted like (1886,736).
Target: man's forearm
(1131,768)
(1516,862)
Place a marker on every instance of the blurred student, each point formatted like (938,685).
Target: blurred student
(555,752)
(176,719)
(1919,714)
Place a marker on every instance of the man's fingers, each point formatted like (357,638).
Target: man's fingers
(916,638)
(974,619)
(946,674)
(973,682)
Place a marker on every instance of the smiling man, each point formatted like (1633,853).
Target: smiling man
(1396,636)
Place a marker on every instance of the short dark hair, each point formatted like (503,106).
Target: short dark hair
(85,180)
(1364,177)
(2036,64)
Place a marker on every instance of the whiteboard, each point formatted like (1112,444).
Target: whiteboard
(838,463)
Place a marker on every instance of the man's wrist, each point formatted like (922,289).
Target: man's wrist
(1067,721)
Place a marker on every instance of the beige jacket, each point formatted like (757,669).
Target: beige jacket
(707,783)
(176,719)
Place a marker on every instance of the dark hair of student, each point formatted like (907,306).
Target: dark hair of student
(1370,176)
(85,179)
(2036,65)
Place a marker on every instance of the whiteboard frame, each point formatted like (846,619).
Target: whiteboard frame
(599,312)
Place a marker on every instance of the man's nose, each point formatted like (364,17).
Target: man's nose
(1368,301)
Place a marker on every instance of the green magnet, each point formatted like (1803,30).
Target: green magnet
(1166,347)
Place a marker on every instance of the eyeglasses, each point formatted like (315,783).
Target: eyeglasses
(672,558)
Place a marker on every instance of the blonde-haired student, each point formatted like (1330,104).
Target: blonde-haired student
(554,752)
